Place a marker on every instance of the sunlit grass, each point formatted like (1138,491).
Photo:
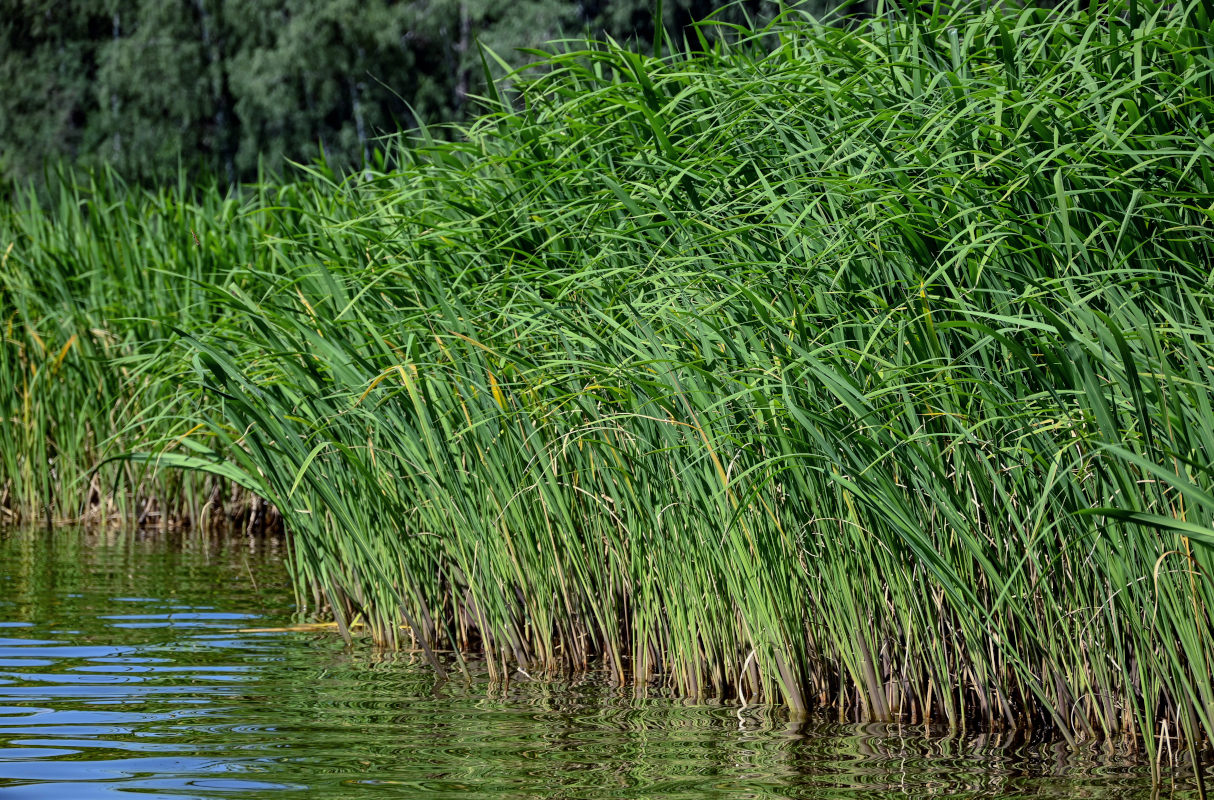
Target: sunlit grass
(96,280)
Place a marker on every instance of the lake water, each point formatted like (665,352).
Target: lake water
(124,672)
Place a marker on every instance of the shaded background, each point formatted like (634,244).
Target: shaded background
(221,86)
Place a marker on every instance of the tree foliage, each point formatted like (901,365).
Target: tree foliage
(225,86)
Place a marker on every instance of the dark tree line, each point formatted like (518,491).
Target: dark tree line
(222,86)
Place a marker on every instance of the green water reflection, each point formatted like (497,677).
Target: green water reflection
(122,669)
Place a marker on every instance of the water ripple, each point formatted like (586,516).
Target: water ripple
(156,693)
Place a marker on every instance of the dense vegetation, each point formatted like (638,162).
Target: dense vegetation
(863,370)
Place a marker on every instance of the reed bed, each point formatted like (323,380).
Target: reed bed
(95,277)
(858,369)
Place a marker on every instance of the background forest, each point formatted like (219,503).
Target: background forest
(224,86)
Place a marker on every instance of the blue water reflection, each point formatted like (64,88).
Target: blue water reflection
(126,667)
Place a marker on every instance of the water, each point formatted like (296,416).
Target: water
(124,669)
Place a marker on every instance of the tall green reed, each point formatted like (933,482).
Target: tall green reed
(866,374)
(95,279)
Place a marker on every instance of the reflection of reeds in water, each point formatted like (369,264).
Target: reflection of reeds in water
(587,740)
(870,375)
